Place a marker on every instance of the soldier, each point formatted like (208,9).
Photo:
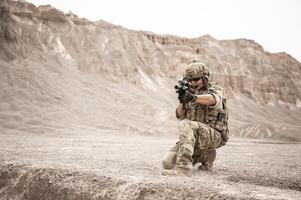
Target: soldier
(203,126)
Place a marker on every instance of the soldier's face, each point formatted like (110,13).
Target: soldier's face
(197,83)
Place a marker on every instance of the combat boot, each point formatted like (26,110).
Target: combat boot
(207,163)
(179,171)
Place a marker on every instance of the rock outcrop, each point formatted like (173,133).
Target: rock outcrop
(85,69)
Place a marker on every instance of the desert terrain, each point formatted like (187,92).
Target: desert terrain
(88,163)
(87,111)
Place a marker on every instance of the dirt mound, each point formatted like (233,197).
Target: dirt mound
(81,164)
(30,183)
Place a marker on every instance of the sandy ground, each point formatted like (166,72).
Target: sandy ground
(85,163)
(85,111)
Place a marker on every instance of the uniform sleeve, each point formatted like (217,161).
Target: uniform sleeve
(217,93)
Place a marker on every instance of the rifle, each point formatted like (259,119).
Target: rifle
(181,89)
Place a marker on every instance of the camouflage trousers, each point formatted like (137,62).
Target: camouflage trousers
(195,141)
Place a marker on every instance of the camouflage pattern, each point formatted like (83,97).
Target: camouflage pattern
(196,69)
(195,141)
(201,130)
(209,114)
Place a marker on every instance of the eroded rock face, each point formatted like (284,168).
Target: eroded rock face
(46,36)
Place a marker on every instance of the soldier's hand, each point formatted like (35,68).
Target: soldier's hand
(181,95)
(188,96)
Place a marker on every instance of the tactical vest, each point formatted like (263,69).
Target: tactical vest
(216,118)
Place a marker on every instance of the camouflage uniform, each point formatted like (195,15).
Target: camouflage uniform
(201,131)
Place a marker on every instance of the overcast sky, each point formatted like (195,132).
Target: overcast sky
(275,24)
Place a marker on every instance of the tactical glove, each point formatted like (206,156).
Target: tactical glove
(181,98)
(188,96)
(181,95)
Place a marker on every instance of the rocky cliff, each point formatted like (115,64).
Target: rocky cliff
(58,71)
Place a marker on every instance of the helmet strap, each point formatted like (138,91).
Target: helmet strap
(205,79)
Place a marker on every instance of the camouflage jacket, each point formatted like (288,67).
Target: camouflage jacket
(215,116)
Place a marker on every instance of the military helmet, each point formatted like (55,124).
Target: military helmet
(196,69)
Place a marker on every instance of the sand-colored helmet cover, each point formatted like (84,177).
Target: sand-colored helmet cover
(196,69)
